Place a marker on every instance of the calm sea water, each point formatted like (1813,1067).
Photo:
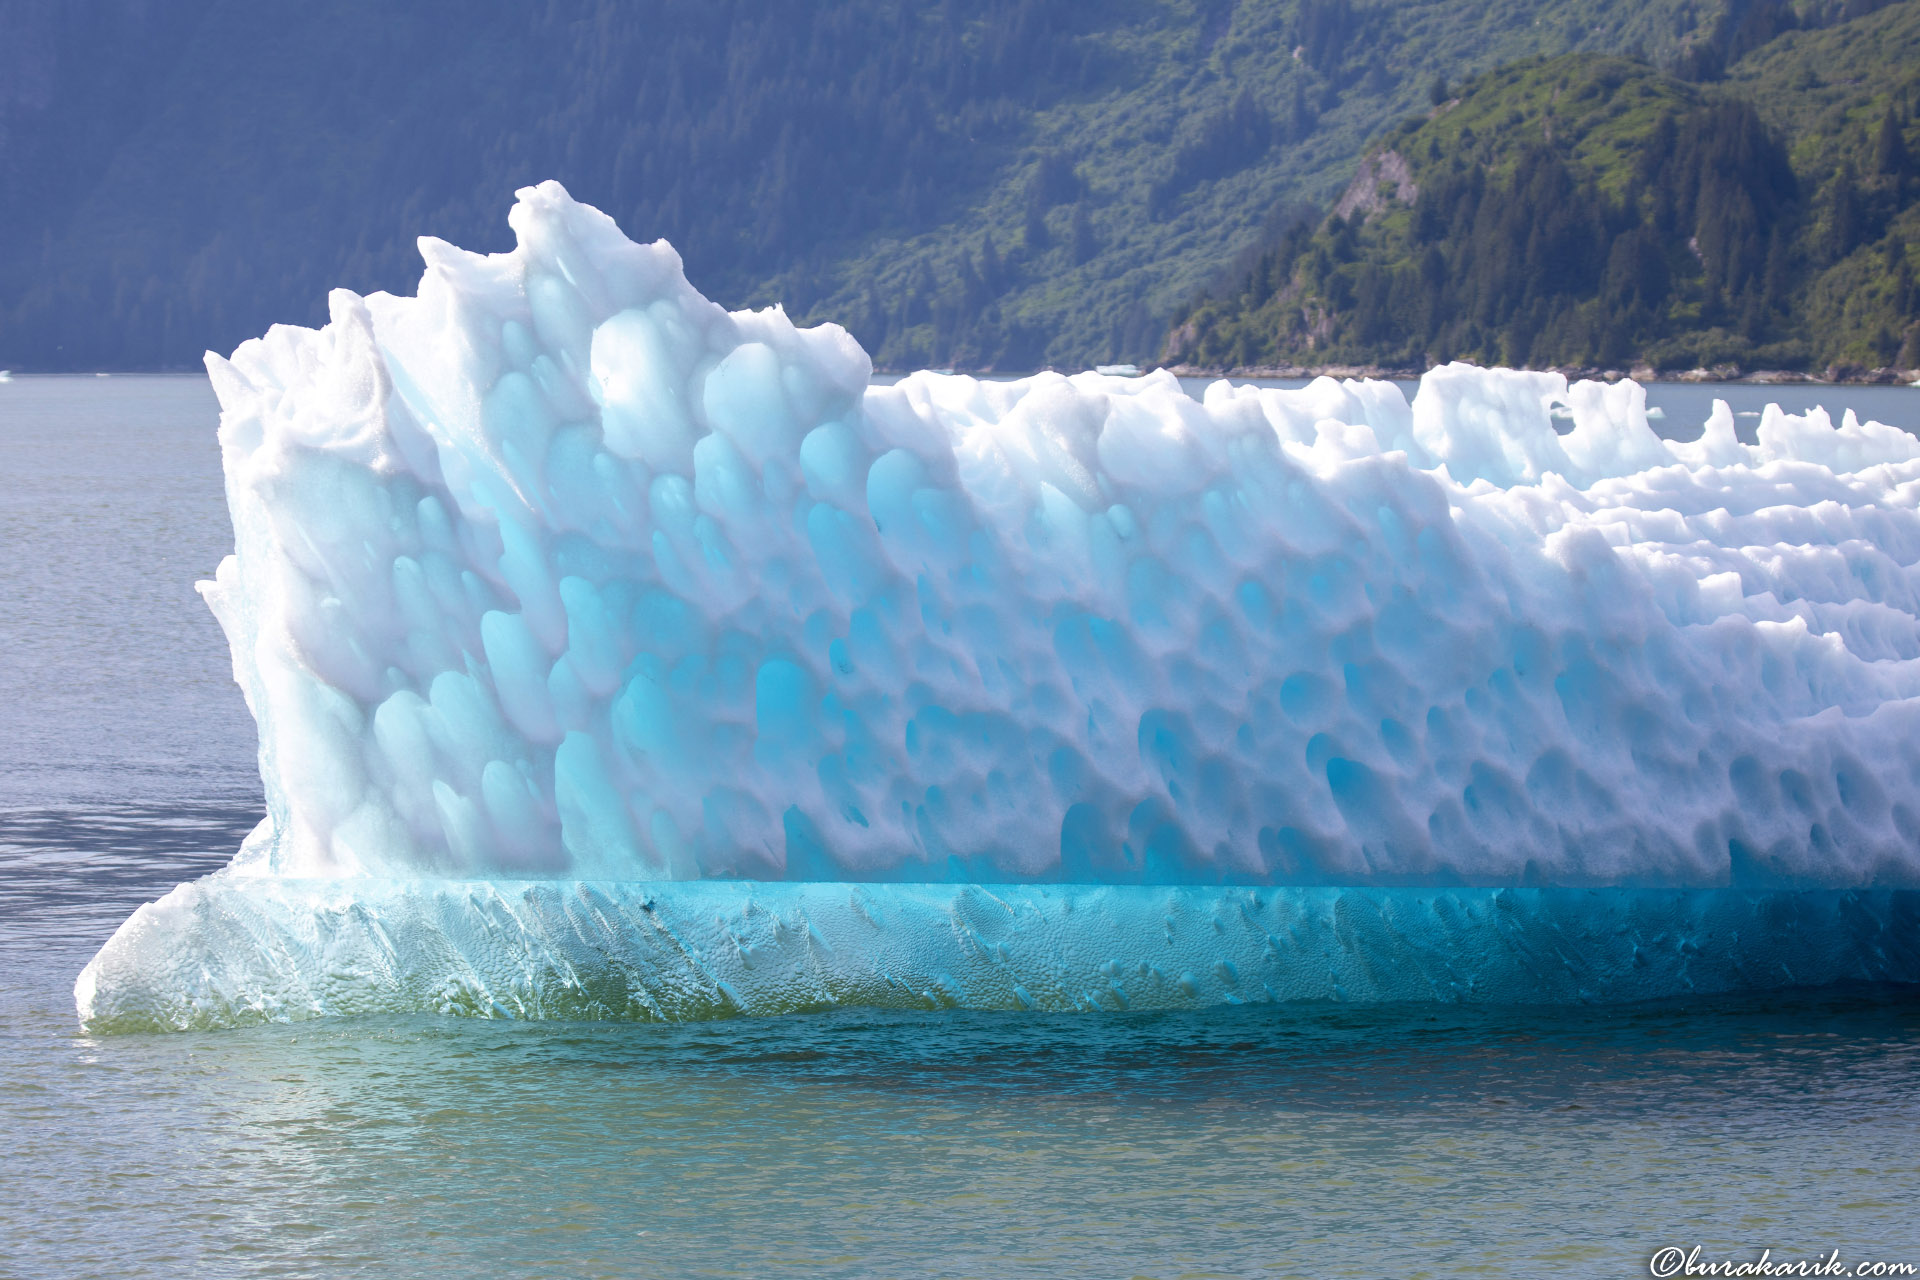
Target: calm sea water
(1304,1141)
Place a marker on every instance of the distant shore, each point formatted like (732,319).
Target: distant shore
(1835,375)
(1854,375)
(1843,375)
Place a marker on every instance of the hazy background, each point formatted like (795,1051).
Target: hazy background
(981,183)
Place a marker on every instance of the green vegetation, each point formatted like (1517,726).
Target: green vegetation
(1846,99)
(975,183)
(1221,119)
(1591,211)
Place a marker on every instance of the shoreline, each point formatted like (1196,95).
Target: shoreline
(1834,375)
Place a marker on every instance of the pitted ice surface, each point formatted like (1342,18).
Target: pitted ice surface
(559,570)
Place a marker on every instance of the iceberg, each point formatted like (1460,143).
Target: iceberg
(614,654)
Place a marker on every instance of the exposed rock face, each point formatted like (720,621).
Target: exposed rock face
(1383,176)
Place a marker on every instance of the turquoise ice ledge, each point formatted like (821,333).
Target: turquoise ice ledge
(231,950)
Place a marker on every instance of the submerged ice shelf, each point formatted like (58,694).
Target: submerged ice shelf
(225,951)
(581,618)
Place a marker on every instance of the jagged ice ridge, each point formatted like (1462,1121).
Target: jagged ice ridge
(617,655)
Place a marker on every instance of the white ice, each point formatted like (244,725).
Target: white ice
(560,570)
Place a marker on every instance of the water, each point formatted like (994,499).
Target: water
(1319,1140)
(115,683)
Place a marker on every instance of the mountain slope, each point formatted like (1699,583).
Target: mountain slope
(1591,211)
(1845,98)
(983,182)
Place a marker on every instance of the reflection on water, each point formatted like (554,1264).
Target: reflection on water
(1375,1141)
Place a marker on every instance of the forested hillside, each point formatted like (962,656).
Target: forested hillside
(982,183)
(1592,211)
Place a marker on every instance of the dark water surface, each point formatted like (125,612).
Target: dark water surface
(1321,1140)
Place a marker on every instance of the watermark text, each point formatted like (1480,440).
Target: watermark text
(1676,1261)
